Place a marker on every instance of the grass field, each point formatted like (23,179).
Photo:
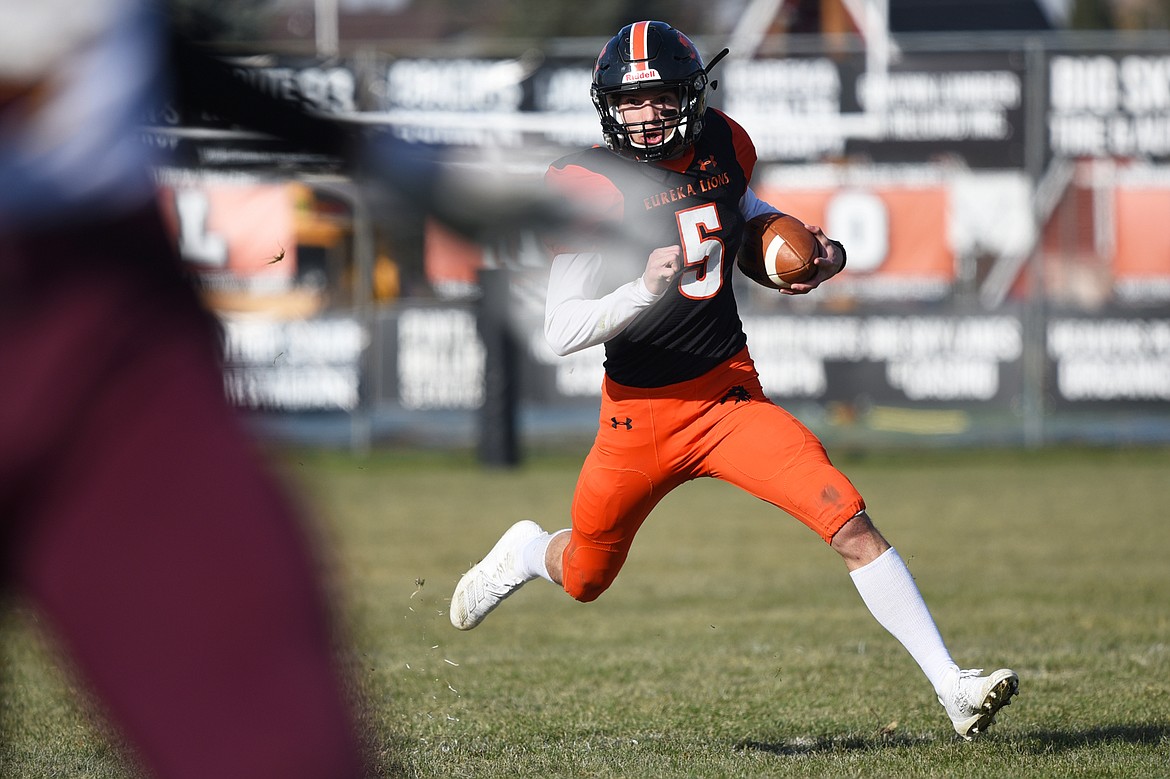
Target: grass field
(733,644)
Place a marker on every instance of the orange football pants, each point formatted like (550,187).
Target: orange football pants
(719,425)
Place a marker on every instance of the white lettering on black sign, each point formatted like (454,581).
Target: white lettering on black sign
(926,358)
(332,90)
(1101,106)
(293,366)
(440,359)
(455,85)
(956,106)
(1111,359)
(786,104)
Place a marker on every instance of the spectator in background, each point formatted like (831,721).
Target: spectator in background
(136,515)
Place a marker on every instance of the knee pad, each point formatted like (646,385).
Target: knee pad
(588,571)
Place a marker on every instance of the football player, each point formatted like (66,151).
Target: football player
(137,516)
(650,277)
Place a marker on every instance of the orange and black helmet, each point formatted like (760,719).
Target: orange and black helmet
(643,55)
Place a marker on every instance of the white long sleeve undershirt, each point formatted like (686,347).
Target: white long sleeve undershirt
(575,319)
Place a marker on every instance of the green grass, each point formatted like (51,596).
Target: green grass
(733,644)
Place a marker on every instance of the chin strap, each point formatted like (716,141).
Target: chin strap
(715,61)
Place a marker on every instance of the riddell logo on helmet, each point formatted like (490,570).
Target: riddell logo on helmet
(640,75)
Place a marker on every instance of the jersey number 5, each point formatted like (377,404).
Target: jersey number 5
(702,272)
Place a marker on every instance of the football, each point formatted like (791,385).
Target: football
(778,251)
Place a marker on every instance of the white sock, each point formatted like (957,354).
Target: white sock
(531,557)
(893,598)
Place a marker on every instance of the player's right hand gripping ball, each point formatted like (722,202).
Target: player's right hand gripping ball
(778,251)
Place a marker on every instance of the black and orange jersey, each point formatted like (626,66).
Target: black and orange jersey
(692,201)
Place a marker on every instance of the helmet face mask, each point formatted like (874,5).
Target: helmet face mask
(649,117)
(646,59)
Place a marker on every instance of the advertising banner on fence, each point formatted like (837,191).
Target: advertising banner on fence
(236,232)
(968,105)
(882,356)
(896,235)
(889,358)
(965,105)
(1113,360)
(294,365)
(1141,259)
(1109,104)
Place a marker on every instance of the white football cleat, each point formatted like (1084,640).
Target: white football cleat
(974,700)
(493,578)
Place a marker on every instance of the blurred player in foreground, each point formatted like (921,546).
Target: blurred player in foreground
(681,398)
(136,515)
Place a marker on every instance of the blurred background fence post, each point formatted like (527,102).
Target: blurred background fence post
(498,438)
